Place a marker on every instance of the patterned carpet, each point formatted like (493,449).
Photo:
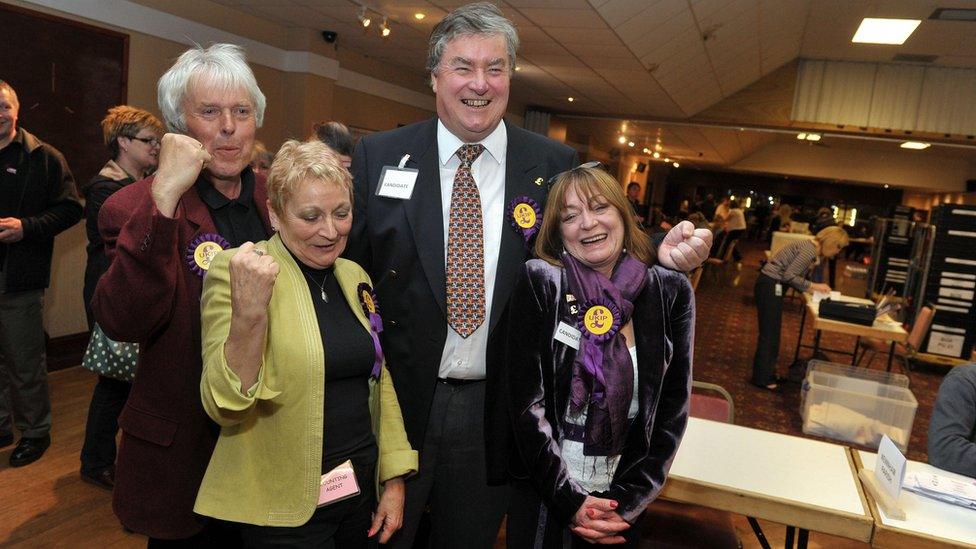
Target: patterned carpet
(726,339)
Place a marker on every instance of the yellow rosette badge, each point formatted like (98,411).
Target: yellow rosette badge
(598,320)
(524,215)
(205,253)
(201,251)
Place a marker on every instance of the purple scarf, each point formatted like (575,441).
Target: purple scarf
(603,372)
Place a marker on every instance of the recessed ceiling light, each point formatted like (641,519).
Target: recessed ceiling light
(517,68)
(570,99)
(801,136)
(419,15)
(885,31)
(886,185)
(667,159)
(676,165)
(916,145)
(630,143)
(813,137)
(647,151)
(622,139)
(656,154)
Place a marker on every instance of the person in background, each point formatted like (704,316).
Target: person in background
(707,208)
(719,226)
(577,404)
(952,431)
(824,219)
(160,235)
(787,267)
(781,221)
(336,135)
(633,198)
(132,136)
(261,158)
(762,212)
(735,226)
(38,201)
(293,374)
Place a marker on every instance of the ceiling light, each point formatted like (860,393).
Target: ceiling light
(658,146)
(666,159)
(885,31)
(622,139)
(915,145)
(886,185)
(384,28)
(647,151)
(517,68)
(676,165)
(813,137)
(801,136)
(570,99)
(657,154)
(364,17)
(419,15)
(630,143)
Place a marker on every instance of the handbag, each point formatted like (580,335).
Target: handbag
(114,359)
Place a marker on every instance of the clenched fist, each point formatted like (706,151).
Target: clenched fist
(685,247)
(252,277)
(181,159)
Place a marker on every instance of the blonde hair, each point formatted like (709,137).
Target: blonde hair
(298,162)
(785,211)
(833,235)
(589,183)
(126,121)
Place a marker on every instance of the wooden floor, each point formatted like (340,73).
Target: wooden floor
(45,504)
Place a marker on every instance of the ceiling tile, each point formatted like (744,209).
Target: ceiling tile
(568,18)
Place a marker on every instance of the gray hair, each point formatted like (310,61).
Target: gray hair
(478,18)
(223,64)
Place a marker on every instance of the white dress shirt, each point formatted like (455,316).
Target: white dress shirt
(464,358)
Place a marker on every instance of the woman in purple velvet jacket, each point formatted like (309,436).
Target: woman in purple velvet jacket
(598,370)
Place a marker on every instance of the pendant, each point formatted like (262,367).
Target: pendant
(325,298)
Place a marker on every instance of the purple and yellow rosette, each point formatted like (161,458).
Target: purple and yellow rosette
(201,251)
(371,309)
(598,324)
(525,216)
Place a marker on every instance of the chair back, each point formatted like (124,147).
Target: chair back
(716,407)
(921,327)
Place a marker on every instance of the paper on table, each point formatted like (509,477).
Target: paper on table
(942,488)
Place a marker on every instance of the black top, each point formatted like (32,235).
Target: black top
(11,159)
(349,357)
(236,219)
(97,192)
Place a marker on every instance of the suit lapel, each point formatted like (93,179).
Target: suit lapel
(196,212)
(523,167)
(426,215)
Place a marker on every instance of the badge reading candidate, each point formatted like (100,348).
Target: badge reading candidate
(201,251)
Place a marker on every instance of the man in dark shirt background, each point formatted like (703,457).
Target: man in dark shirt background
(38,200)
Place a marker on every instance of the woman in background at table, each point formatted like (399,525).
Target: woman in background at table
(787,267)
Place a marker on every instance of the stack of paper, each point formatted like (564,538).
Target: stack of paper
(943,488)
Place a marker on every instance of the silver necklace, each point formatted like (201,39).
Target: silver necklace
(323,295)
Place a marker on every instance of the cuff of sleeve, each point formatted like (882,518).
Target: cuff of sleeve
(230,396)
(162,229)
(398,463)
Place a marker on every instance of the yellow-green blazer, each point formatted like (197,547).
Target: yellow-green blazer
(266,467)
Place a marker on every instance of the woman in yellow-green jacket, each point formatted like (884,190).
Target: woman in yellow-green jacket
(293,373)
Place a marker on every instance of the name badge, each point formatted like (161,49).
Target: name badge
(396,182)
(779,289)
(338,484)
(567,334)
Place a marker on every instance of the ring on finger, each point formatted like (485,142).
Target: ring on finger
(257,251)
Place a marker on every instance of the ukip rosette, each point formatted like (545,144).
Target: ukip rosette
(201,251)
(525,216)
(371,308)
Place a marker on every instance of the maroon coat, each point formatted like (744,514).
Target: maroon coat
(149,295)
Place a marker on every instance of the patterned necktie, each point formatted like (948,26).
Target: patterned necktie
(465,249)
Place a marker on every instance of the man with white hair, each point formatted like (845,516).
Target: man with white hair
(160,234)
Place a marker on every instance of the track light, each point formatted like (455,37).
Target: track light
(364,17)
(384,28)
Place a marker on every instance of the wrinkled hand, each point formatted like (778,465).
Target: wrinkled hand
(819,287)
(389,511)
(684,247)
(597,521)
(181,159)
(252,277)
(11,230)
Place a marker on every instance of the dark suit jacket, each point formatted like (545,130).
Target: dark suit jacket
(538,371)
(400,243)
(151,297)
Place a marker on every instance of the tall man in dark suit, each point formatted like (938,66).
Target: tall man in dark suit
(433,202)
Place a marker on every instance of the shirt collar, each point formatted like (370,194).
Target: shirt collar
(215,200)
(448,143)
